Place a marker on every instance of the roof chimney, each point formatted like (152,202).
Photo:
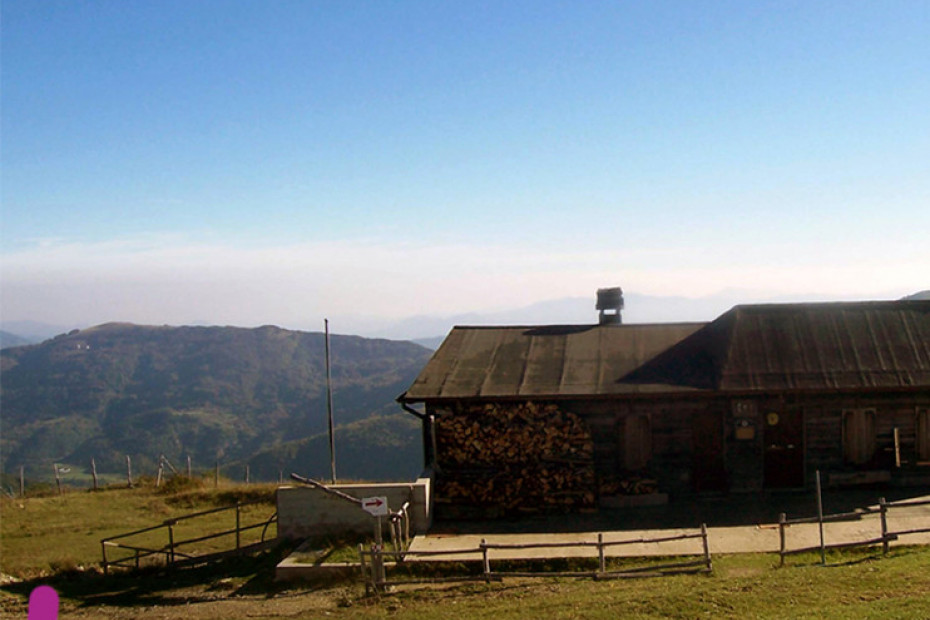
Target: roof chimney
(610,303)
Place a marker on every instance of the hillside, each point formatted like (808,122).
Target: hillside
(214,393)
(8,339)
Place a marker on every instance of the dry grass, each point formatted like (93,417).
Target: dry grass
(43,535)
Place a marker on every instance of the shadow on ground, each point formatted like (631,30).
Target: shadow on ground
(714,511)
(163,587)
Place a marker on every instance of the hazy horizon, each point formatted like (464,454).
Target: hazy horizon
(249,163)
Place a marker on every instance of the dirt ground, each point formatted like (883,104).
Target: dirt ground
(231,591)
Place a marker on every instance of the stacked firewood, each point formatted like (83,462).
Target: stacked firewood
(520,457)
(630,485)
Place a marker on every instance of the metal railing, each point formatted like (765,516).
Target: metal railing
(376,579)
(169,555)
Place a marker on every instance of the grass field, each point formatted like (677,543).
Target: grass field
(45,540)
(44,535)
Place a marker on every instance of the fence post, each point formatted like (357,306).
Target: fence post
(129,471)
(22,481)
(237,525)
(216,475)
(486,561)
(883,510)
(57,477)
(93,471)
(707,561)
(782,525)
(170,525)
(823,545)
(103,549)
(366,575)
(188,465)
(601,560)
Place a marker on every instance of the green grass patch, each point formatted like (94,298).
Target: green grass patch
(44,535)
(49,540)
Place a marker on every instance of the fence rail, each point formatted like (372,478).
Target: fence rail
(372,561)
(169,553)
(885,537)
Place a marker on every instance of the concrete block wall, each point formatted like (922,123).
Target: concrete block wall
(304,511)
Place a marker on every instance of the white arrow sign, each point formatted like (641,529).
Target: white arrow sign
(375,506)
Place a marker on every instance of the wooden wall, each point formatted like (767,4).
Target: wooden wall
(683,438)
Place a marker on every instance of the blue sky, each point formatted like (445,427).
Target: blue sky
(277,162)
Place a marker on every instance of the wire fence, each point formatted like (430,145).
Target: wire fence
(65,477)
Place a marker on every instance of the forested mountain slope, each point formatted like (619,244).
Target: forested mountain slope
(214,393)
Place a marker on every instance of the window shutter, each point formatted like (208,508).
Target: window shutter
(859,435)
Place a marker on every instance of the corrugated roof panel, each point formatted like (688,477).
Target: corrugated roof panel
(828,346)
(505,369)
(582,363)
(468,373)
(440,366)
(771,347)
(542,361)
(545,363)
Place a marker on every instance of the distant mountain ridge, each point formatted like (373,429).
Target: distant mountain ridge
(8,339)
(215,393)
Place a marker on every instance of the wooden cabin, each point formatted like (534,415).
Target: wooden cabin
(523,419)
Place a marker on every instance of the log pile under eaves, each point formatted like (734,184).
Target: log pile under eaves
(499,459)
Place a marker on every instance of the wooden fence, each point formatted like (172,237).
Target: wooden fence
(884,538)
(372,561)
(62,480)
(169,553)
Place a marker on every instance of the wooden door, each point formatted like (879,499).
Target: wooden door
(784,448)
(709,462)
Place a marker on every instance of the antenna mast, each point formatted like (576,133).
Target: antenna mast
(329,407)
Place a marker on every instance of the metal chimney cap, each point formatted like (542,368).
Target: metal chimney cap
(610,302)
(609,298)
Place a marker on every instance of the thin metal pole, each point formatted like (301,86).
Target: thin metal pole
(823,550)
(22,481)
(93,471)
(128,471)
(329,407)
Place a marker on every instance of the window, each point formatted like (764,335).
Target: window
(858,435)
(923,435)
(636,442)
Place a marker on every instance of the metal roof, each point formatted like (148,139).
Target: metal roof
(863,345)
(573,360)
(802,347)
